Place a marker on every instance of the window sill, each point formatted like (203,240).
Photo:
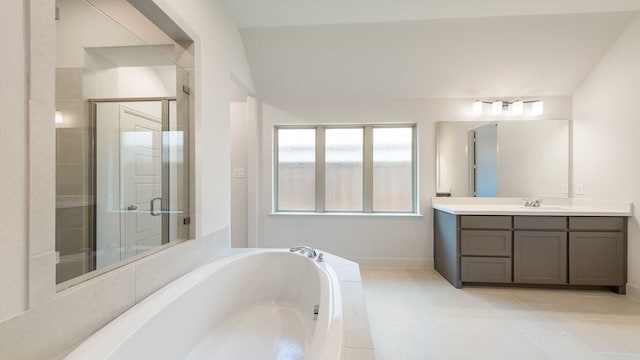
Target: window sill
(347,214)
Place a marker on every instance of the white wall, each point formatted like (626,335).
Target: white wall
(13,160)
(219,56)
(606,132)
(239,185)
(371,240)
(55,321)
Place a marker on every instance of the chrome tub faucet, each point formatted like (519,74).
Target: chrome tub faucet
(306,250)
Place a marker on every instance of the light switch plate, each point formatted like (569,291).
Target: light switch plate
(238,172)
(579,189)
(565,188)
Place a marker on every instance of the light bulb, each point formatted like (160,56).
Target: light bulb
(477,107)
(517,107)
(496,108)
(537,108)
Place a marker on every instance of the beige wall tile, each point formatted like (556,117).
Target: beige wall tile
(72,217)
(75,114)
(70,179)
(72,241)
(69,83)
(72,146)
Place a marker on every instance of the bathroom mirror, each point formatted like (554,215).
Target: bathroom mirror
(122,130)
(502,158)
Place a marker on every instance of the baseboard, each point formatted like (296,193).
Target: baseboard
(394,263)
(633,291)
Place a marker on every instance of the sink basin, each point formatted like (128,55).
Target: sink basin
(546,208)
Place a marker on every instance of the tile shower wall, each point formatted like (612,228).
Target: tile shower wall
(74,183)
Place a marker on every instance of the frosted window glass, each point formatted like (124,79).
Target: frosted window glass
(344,151)
(296,169)
(392,169)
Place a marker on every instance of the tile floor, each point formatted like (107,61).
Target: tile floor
(417,314)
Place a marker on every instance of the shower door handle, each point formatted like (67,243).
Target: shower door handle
(152,207)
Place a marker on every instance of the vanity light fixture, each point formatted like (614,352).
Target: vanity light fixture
(517,107)
(59,117)
(496,107)
(537,108)
(477,107)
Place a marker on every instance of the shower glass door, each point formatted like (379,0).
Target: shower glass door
(140,197)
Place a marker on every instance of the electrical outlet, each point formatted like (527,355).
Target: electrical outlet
(565,188)
(579,189)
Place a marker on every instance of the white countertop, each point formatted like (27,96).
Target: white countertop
(549,207)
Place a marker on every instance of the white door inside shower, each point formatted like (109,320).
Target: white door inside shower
(141,179)
(128,178)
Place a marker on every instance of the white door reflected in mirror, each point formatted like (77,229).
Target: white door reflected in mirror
(530,158)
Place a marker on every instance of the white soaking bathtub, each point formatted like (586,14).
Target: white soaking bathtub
(257,305)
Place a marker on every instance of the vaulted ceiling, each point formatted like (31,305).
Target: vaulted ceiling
(261,13)
(305,49)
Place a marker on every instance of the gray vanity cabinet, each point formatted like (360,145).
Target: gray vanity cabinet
(597,251)
(541,250)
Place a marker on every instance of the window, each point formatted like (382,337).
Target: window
(297,169)
(365,168)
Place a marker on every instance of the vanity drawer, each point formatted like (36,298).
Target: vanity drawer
(485,269)
(485,222)
(540,222)
(601,223)
(485,242)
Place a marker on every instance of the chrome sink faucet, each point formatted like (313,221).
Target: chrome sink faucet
(308,251)
(533,203)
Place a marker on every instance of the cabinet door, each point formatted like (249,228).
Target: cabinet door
(540,257)
(596,258)
(485,243)
(485,269)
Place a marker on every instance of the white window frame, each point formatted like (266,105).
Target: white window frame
(367,206)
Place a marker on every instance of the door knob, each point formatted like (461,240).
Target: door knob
(132,207)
